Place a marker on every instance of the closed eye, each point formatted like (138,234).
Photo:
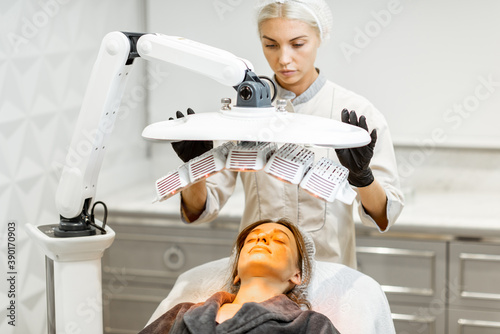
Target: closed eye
(251,237)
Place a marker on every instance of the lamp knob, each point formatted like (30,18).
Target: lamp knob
(226,103)
(281,105)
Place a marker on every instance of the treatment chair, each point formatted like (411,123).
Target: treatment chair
(353,301)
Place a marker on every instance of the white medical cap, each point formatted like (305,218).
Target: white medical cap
(318,9)
(301,289)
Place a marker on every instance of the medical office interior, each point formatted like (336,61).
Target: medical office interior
(431,67)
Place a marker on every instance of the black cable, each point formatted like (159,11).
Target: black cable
(275,90)
(104,219)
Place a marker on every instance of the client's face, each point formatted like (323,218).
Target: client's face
(270,250)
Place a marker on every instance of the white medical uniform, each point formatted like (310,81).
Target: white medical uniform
(331,224)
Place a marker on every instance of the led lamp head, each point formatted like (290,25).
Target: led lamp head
(172,183)
(194,170)
(328,181)
(290,163)
(209,163)
(249,156)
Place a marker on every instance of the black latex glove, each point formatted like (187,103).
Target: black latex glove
(189,149)
(357,159)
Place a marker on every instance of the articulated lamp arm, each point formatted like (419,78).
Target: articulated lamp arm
(78,183)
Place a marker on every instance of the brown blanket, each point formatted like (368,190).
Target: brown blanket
(275,315)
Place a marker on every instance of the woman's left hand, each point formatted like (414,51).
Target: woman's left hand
(357,159)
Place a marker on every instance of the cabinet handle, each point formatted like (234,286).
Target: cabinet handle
(407,290)
(174,258)
(394,251)
(480,295)
(479,257)
(479,323)
(413,318)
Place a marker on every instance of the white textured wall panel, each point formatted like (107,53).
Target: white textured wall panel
(47,50)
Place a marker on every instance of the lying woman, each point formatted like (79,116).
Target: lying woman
(270,272)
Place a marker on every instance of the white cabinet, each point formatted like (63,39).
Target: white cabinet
(413,275)
(436,285)
(474,290)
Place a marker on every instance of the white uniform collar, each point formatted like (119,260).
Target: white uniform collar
(304,97)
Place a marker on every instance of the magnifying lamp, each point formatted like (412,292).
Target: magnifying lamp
(74,247)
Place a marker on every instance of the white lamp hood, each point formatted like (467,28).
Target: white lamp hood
(259,124)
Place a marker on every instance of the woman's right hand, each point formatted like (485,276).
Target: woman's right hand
(189,149)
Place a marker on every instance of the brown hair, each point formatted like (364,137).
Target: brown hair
(296,294)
